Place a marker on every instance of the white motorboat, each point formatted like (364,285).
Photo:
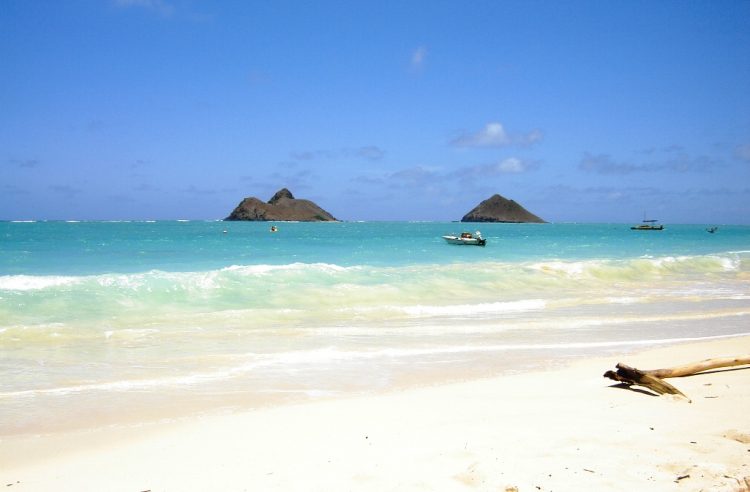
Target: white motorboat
(466,238)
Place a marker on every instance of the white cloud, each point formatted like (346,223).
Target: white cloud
(530,138)
(494,135)
(418,58)
(511,165)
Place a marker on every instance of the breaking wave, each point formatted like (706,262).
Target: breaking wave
(311,294)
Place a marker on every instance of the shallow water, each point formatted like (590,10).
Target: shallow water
(109,323)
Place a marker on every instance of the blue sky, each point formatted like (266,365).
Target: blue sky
(582,111)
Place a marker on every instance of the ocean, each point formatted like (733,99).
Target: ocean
(123,323)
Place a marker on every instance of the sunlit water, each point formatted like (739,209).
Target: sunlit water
(110,323)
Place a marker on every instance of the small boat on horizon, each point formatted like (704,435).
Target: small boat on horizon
(466,238)
(648,225)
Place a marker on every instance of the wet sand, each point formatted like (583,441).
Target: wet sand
(561,429)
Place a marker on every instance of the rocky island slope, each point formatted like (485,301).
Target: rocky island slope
(500,209)
(281,207)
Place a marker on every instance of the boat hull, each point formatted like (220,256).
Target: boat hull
(465,241)
(647,228)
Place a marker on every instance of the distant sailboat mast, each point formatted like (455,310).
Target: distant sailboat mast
(648,220)
(648,225)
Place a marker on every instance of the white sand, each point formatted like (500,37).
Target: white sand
(562,430)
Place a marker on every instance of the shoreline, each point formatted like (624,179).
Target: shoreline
(555,429)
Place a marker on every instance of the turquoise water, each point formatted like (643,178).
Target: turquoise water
(84,248)
(107,323)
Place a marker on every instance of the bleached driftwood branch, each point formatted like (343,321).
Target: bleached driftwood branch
(695,368)
(653,379)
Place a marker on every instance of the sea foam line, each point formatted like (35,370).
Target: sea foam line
(39,282)
(331,354)
(33,282)
(475,309)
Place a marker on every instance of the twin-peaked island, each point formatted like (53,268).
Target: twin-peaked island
(283,206)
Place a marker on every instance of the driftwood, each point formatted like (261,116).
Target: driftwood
(704,365)
(653,379)
(632,376)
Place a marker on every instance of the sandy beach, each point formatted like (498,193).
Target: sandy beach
(230,254)
(563,429)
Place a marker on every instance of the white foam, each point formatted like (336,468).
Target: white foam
(572,269)
(268,269)
(331,354)
(31,282)
(132,385)
(297,360)
(624,300)
(475,309)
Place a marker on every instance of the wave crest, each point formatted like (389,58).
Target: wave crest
(310,294)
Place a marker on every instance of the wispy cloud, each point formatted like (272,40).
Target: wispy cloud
(639,193)
(683,163)
(494,135)
(510,165)
(742,152)
(196,190)
(418,180)
(10,189)
(418,59)
(145,187)
(309,155)
(368,152)
(528,139)
(159,6)
(121,198)
(95,125)
(655,150)
(417,176)
(25,163)
(604,164)
(420,177)
(293,177)
(66,190)
(679,163)
(369,180)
